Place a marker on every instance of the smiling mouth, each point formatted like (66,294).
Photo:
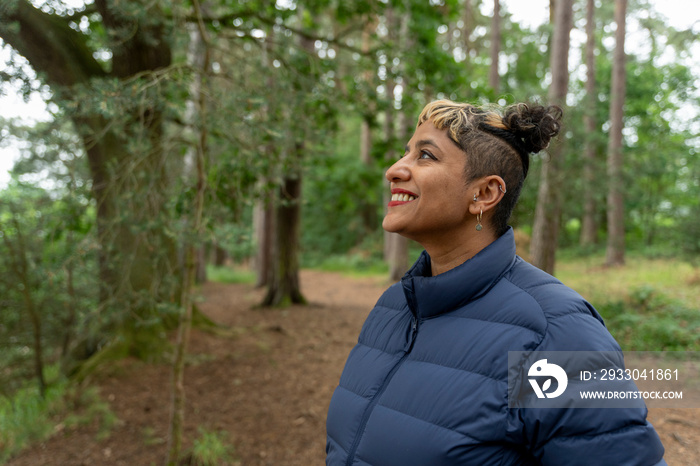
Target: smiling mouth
(401,198)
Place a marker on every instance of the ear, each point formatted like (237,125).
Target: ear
(489,191)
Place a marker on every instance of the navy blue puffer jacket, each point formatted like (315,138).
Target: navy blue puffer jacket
(427,382)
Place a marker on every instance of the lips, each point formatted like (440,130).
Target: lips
(401,196)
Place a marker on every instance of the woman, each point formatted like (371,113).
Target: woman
(427,383)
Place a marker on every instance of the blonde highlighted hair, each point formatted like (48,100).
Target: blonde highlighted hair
(497,141)
(458,117)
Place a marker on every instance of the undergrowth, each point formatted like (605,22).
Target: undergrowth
(210,449)
(226,274)
(27,418)
(647,320)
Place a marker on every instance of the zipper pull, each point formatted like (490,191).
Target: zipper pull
(414,333)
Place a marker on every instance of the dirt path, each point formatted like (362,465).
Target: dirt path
(266,384)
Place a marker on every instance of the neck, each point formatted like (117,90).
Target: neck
(446,255)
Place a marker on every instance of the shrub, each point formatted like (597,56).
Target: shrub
(649,321)
(210,449)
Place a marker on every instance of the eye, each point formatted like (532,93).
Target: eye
(424,154)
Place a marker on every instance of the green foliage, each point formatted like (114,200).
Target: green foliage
(85,407)
(236,238)
(353,264)
(649,321)
(687,230)
(211,449)
(49,252)
(366,259)
(336,191)
(648,304)
(26,417)
(227,274)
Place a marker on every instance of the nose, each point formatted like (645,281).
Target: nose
(399,171)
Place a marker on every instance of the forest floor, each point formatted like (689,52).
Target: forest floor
(263,380)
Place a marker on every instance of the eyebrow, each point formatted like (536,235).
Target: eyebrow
(423,142)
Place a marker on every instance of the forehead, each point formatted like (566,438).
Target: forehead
(428,134)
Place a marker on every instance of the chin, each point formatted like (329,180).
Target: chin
(389,226)
(396,227)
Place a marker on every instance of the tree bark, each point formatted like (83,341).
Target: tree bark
(549,196)
(395,245)
(283,282)
(494,77)
(389,131)
(283,286)
(589,227)
(263,230)
(398,245)
(369,209)
(615,252)
(389,157)
(220,255)
(263,212)
(468,26)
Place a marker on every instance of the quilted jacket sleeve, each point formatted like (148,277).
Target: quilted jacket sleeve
(586,436)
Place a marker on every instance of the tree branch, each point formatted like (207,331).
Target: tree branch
(337,40)
(314,37)
(50,45)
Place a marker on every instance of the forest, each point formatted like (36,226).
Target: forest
(249,139)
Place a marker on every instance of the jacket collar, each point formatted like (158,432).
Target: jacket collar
(428,296)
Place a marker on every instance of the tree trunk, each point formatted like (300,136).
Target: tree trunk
(389,129)
(283,282)
(369,209)
(552,12)
(263,212)
(365,142)
(545,231)
(589,228)
(219,255)
(494,78)
(615,253)
(469,23)
(202,255)
(263,229)
(127,186)
(389,157)
(395,245)
(283,286)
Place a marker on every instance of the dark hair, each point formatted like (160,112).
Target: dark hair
(498,142)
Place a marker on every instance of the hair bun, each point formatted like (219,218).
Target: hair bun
(533,125)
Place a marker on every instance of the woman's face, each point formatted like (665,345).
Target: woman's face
(430,198)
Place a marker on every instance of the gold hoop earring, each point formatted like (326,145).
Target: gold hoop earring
(478,219)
